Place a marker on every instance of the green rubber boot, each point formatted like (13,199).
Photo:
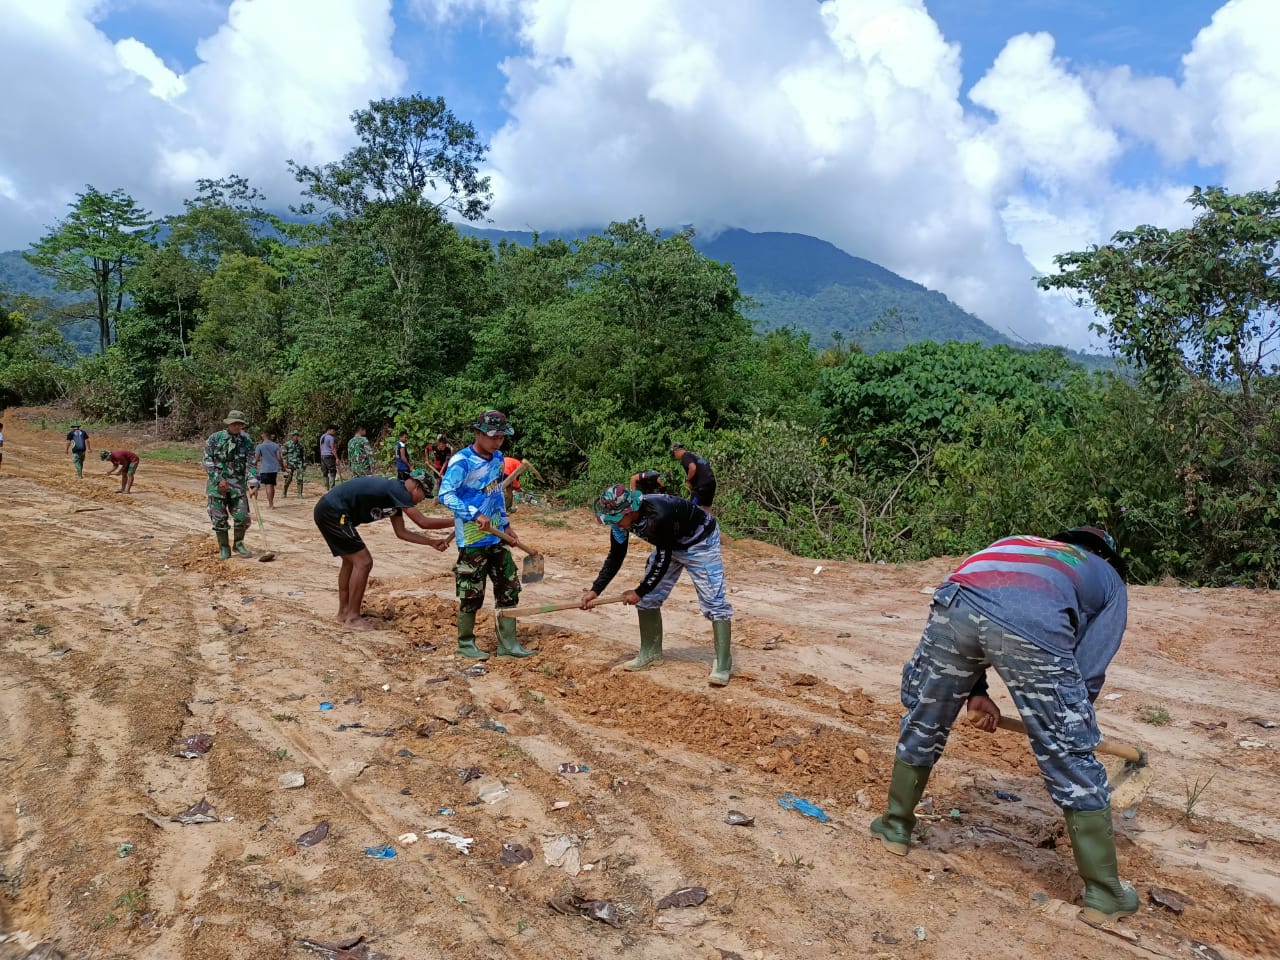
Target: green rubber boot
(508,645)
(650,654)
(224,544)
(238,544)
(1093,842)
(895,825)
(299,489)
(723,632)
(467,637)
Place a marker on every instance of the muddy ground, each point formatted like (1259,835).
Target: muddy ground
(120,632)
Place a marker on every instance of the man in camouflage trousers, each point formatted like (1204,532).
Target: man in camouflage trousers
(360,454)
(227,455)
(295,462)
(1048,615)
(472,490)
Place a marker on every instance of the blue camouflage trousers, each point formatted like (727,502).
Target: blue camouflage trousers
(957,645)
(706,570)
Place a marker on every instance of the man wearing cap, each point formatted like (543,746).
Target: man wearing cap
(472,489)
(78,446)
(364,500)
(684,537)
(1049,615)
(227,455)
(698,476)
(360,454)
(126,461)
(295,462)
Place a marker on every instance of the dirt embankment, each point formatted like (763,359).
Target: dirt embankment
(123,632)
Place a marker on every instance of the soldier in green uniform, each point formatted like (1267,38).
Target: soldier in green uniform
(360,454)
(295,462)
(227,455)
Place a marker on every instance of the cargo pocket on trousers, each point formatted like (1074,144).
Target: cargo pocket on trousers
(911,678)
(1076,722)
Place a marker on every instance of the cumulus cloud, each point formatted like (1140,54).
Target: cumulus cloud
(277,80)
(846,119)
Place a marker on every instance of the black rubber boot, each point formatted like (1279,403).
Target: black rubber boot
(467,637)
(508,645)
(650,654)
(224,544)
(1093,842)
(723,631)
(894,826)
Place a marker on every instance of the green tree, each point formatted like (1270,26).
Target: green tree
(1199,302)
(93,250)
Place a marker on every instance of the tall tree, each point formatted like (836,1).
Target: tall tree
(1199,302)
(92,251)
(415,161)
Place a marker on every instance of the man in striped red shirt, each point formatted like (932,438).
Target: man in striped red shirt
(1048,615)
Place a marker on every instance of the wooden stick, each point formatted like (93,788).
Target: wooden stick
(532,611)
(1110,747)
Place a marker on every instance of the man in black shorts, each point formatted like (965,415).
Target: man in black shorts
(363,500)
(699,477)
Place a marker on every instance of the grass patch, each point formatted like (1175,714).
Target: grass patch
(550,521)
(285,717)
(280,753)
(175,454)
(1194,794)
(1156,716)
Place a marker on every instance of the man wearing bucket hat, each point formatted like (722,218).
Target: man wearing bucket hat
(295,462)
(1049,615)
(684,537)
(227,455)
(363,500)
(472,489)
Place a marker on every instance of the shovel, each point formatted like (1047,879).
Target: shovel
(1130,785)
(531,571)
(533,611)
(270,554)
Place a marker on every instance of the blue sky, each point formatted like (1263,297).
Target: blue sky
(1055,124)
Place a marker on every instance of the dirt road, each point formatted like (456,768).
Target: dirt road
(121,632)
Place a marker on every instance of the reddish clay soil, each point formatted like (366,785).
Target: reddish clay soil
(122,632)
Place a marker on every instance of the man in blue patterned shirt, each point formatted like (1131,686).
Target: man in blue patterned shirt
(472,489)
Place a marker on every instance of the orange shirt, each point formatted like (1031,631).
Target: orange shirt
(509,466)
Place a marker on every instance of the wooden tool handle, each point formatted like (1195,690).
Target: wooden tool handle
(508,539)
(552,607)
(1110,747)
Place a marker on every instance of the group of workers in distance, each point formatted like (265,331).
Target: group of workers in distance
(1047,614)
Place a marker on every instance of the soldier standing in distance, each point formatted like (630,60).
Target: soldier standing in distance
(227,455)
(360,454)
(295,463)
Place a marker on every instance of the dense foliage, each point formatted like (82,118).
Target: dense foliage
(372,308)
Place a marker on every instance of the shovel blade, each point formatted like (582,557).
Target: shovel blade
(1130,785)
(532,570)
(266,557)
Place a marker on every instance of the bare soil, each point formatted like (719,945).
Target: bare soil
(121,631)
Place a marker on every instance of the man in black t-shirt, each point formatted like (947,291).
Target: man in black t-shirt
(649,481)
(78,447)
(699,477)
(364,500)
(684,538)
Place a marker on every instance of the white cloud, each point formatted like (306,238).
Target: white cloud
(846,119)
(277,80)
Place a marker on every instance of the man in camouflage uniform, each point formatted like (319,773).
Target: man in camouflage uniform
(227,455)
(1048,615)
(295,462)
(472,490)
(360,454)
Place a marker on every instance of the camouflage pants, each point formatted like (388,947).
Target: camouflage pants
(291,474)
(1047,689)
(234,507)
(474,565)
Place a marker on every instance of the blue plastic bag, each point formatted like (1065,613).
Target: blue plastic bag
(790,801)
